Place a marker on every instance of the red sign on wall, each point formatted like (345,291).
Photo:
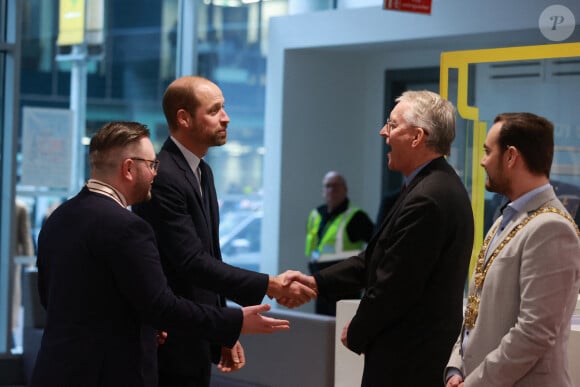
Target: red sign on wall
(418,6)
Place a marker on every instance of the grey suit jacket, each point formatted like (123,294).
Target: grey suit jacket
(521,334)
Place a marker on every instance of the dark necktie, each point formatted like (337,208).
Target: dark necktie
(204,169)
(211,219)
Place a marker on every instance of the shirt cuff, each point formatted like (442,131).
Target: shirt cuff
(450,372)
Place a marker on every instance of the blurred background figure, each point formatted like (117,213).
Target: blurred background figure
(335,230)
(23,247)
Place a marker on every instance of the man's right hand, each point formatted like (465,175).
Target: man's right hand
(455,381)
(289,292)
(254,322)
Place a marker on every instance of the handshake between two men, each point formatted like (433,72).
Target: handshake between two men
(292,288)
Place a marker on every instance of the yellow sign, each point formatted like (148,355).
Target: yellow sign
(71,26)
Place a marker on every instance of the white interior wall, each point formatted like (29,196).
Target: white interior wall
(326,83)
(314,134)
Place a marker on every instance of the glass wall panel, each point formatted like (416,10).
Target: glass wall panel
(544,87)
(128,73)
(3,250)
(232,41)
(8,75)
(537,79)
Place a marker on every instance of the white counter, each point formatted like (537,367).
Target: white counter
(348,366)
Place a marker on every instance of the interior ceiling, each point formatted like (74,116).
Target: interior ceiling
(453,43)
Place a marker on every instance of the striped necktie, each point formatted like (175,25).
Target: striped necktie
(198,176)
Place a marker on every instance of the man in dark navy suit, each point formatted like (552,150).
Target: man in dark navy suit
(101,282)
(185,216)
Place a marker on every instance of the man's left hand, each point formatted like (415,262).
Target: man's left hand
(232,359)
(344,335)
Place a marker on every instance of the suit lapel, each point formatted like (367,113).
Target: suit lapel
(180,161)
(433,165)
(387,220)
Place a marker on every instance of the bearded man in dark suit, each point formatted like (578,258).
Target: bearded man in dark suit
(185,216)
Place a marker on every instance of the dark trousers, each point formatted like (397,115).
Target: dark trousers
(174,380)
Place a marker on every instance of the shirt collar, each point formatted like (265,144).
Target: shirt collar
(190,157)
(105,189)
(412,175)
(521,202)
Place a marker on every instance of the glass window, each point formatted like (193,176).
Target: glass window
(3,250)
(128,72)
(538,86)
(232,40)
(8,74)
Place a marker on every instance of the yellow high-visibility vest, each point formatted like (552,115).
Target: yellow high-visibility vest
(335,239)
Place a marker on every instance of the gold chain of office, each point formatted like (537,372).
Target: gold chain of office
(482,267)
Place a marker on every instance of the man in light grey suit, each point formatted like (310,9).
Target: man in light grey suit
(524,289)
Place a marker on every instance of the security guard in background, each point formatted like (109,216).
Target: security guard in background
(335,230)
